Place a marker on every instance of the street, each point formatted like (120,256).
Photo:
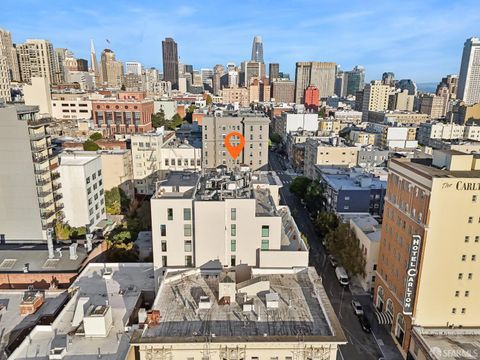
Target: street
(361,345)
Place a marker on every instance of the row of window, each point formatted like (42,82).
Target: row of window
(187,214)
(173,162)
(454,310)
(187,230)
(460,276)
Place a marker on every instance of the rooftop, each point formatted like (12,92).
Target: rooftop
(14,258)
(119,287)
(72,160)
(302,309)
(369,226)
(353,179)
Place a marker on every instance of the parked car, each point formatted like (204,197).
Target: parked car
(342,276)
(357,308)
(364,324)
(333,261)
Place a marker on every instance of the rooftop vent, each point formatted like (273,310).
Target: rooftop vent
(272,300)
(204,302)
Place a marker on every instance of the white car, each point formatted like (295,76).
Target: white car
(357,308)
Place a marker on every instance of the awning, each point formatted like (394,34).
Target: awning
(384,318)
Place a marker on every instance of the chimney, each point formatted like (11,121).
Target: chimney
(51,254)
(73,251)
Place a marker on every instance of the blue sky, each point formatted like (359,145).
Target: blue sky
(420,39)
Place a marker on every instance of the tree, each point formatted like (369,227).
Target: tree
(321,112)
(95,136)
(344,245)
(158,119)
(209,99)
(176,121)
(121,252)
(113,201)
(89,145)
(189,113)
(300,185)
(276,138)
(326,222)
(62,231)
(314,198)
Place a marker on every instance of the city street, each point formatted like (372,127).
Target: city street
(361,345)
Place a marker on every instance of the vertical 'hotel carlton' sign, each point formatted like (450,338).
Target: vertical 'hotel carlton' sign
(412,270)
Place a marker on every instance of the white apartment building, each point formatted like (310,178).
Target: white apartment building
(133,67)
(319,152)
(69,107)
(288,122)
(230,217)
(368,232)
(469,78)
(156,154)
(82,189)
(393,137)
(36,58)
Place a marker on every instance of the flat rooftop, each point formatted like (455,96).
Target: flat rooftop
(424,168)
(121,290)
(450,344)
(73,160)
(14,257)
(13,325)
(303,310)
(354,180)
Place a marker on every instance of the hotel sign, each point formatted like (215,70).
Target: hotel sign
(462,185)
(412,270)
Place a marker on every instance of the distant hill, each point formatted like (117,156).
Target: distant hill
(427,87)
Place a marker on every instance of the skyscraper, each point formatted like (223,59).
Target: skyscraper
(388,78)
(319,74)
(133,67)
(469,79)
(112,70)
(36,59)
(273,71)
(170,62)
(8,50)
(94,65)
(257,49)
(355,80)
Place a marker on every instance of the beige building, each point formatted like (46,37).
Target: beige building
(397,117)
(8,50)
(112,70)
(36,58)
(433,105)
(236,95)
(393,137)
(319,152)
(249,226)
(367,230)
(37,93)
(401,101)
(254,129)
(30,200)
(155,155)
(240,313)
(375,98)
(428,264)
(360,137)
(468,112)
(71,106)
(328,127)
(319,74)
(4,79)
(283,91)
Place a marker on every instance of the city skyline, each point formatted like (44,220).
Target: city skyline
(414,41)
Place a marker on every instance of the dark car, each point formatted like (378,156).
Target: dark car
(364,324)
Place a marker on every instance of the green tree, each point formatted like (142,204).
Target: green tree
(189,113)
(158,119)
(326,222)
(321,112)
(314,198)
(209,99)
(113,201)
(299,186)
(276,138)
(121,252)
(344,245)
(95,136)
(62,231)
(89,145)
(77,232)
(175,122)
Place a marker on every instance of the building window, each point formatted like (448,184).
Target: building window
(464,257)
(187,230)
(470,219)
(464,310)
(170,214)
(474,198)
(233,213)
(187,246)
(460,276)
(233,230)
(233,260)
(457,293)
(233,245)
(454,310)
(163,230)
(188,260)
(187,214)
(470,276)
(164,245)
(265,230)
(265,244)
(467,293)
(467,239)
(88,180)
(477,239)
(164,261)
(474,257)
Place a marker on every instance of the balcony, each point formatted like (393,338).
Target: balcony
(41,171)
(55,175)
(59,206)
(47,214)
(43,194)
(40,148)
(48,225)
(57,187)
(57,197)
(41,182)
(39,159)
(39,121)
(37,136)
(45,204)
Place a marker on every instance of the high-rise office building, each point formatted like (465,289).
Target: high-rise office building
(59,73)
(30,201)
(283,91)
(218,73)
(428,268)
(36,59)
(407,84)
(170,61)
(375,98)
(451,82)
(355,80)
(252,69)
(341,83)
(112,70)
(388,78)
(273,71)
(257,49)
(82,65)
(319,74)
(5,94)
(133,67)
(8,50)
(469,78)
(94,69)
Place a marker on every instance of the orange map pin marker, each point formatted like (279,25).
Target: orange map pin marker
(234,150)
